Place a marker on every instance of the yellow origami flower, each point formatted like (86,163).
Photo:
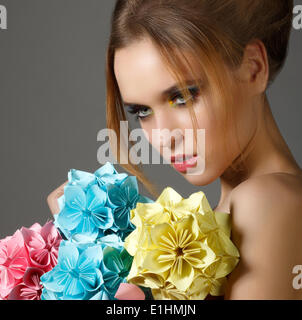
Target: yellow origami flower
(204,285)
(181,248)
(170,206)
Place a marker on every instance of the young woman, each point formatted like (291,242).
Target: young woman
(219,57)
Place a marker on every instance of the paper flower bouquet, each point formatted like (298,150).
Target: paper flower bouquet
(109,242)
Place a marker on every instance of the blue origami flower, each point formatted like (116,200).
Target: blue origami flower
(122,199)
(115,268)
(81,178)
(107,174)
(111,240)
(85,215)
(77,274)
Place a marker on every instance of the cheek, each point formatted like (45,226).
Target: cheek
(148,130)
(218,143)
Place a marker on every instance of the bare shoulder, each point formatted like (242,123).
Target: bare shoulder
(266,214)
(270,194)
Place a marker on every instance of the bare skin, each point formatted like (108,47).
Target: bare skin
(264,198)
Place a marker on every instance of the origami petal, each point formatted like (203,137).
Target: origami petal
(36,227)
(91,257)
(112,281)
(182,274)
(50,233)
(121,217)
(116,197)
(107,179)
(164,236)
(107,174)
(186,230)
(224,221)
(91,279)
(73,289)
(55,280)
(112,260)
(128,291)
(22,292)
(31,278)
(68,256)
(169,197)
(49,295)
(86,228)
(111,240)
(32,238)
(83,238)
(130,188)
(226,266)
(18,266)
(40,258)
(102,217)
(168,292)
(7,281)
(196,202)
(96,198)
(100,295)
(126,259)
(107,168)
(75,197)
(69,218)
(206,221)
(200,288)
(81,178)
(228,245)
(152,213)
(194,253)
(218,287)
(159,261)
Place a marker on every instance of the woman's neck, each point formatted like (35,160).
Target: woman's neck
(266,152)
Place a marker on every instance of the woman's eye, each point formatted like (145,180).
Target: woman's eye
(143,113)
(140,112)
(179,100)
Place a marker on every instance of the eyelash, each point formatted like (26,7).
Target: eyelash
(136,109)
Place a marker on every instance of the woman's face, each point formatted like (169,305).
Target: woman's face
(143,82)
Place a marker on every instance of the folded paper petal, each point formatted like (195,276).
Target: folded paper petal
(128,291)
(181,248)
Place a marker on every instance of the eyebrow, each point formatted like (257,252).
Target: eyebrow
(166,93)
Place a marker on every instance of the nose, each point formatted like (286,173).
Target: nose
(170,134)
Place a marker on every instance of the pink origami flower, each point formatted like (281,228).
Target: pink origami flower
(13,262)
(129,291)
(42,244)
(30,288)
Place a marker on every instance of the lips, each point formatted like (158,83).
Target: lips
(181,158)
(182,162)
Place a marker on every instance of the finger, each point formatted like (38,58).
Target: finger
(52,199)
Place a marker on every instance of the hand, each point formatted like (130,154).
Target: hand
(52,199)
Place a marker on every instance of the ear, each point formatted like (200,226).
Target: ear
(254,69)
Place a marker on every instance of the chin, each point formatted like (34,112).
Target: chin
(200,179)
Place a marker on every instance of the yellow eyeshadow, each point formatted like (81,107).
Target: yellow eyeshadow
(172,103)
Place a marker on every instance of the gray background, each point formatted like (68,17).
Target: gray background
(52,91)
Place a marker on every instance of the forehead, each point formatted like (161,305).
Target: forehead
(140,72)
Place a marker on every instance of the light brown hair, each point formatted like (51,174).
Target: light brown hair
(212,32)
